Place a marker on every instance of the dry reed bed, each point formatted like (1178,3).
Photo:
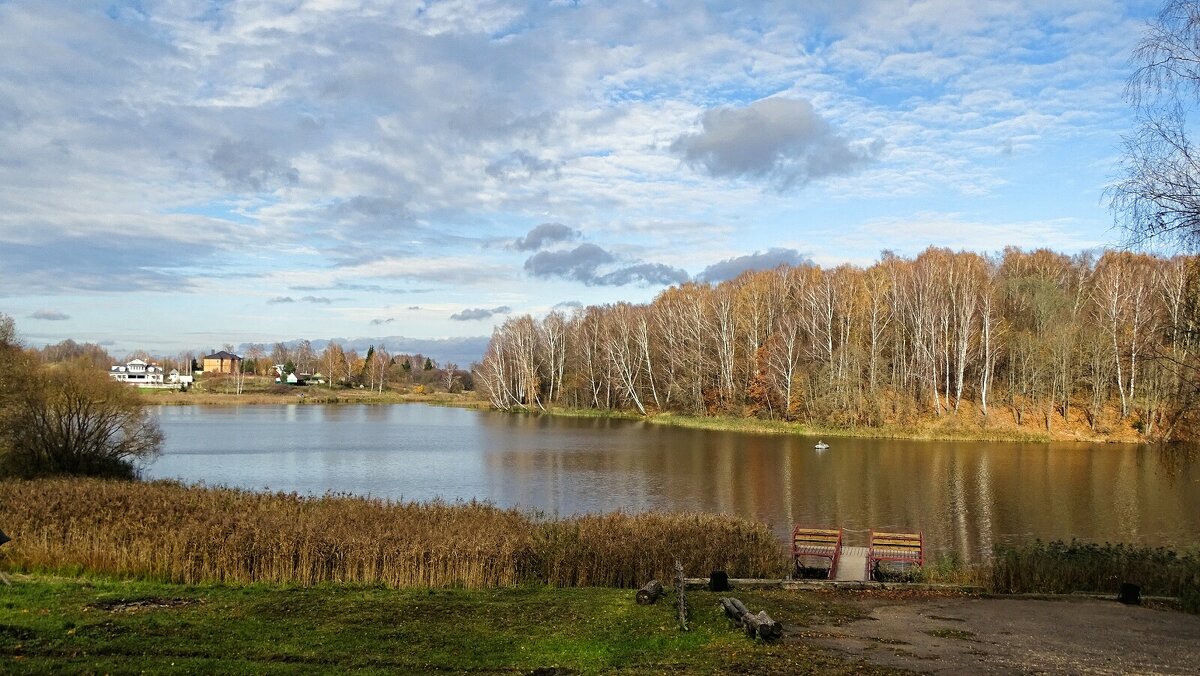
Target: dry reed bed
(1062,567)
(172,532)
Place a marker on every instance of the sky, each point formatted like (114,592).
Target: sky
(180,174)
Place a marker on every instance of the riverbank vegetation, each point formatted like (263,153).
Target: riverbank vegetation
(1064,567)
(1080,347)
(170,532)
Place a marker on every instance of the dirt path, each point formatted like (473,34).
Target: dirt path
(1003,636)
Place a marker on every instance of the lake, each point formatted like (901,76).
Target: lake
(965,496)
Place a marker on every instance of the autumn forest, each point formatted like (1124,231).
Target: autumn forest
(1102,342)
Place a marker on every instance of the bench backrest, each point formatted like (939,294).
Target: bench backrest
(912,541)
(816,536)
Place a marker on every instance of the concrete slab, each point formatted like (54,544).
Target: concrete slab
(852,565)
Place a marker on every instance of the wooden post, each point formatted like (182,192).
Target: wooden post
(650,593)
(680,601)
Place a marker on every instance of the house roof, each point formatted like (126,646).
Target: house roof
(223,355)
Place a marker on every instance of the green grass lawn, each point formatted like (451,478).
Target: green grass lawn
(93,625)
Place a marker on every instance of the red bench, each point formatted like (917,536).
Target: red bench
(816,542)
(907,548)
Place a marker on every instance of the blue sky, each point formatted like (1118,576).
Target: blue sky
(179,175)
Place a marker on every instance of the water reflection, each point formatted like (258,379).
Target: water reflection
(966,496)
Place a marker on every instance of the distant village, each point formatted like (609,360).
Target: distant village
(142,374)
(348,371)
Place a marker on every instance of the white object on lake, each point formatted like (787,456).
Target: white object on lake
(821,445)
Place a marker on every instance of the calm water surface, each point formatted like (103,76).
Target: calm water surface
(965,496)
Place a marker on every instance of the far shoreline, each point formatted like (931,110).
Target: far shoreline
(949,427)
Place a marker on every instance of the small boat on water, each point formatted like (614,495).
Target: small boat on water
(821,445)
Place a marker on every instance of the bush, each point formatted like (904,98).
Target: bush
(65,419)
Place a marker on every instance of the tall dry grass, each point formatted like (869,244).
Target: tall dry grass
(1062,567)
(191,534)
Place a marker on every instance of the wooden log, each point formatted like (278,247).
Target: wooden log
(741,607)
(750,625)
(731,610)
(768,629)
(760,625)
(650,593)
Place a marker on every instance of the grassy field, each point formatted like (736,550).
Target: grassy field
(76,625)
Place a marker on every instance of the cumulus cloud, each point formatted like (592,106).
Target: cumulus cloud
(479,313)
(568,305)
(378,322)
(49,315)
(583,263)
(546,233)
(643,273)
(281,299)
(766,260)
(579,263)
(779,139)
(320,300)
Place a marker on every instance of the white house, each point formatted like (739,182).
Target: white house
(176,379)
(137,372)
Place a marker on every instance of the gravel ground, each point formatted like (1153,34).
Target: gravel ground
(958,635)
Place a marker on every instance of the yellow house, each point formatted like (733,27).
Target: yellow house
(222,362)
